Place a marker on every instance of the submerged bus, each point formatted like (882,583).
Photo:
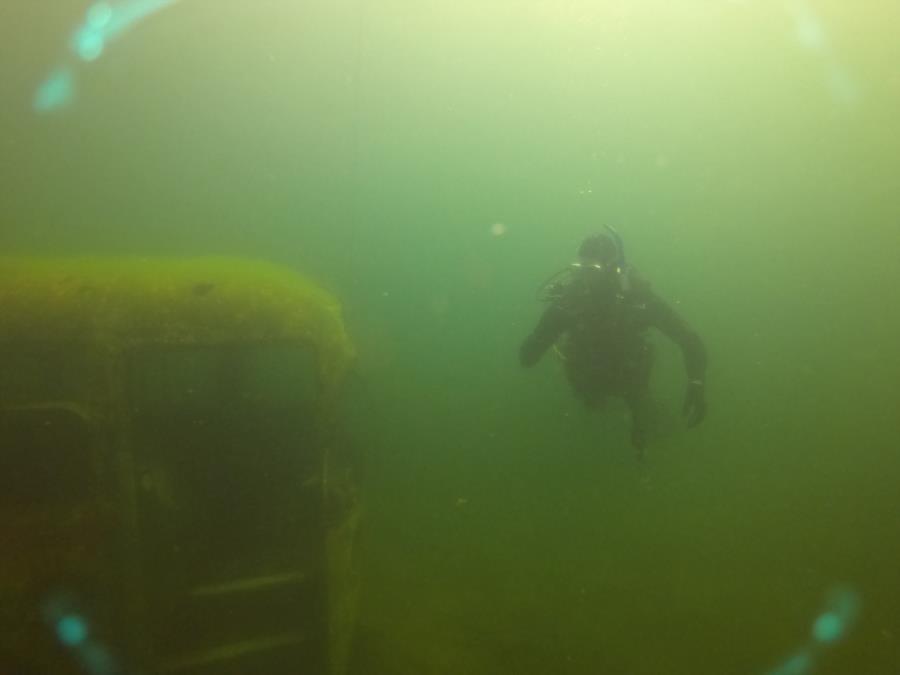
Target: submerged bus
(174,471)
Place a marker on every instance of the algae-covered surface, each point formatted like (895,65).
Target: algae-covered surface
(434,161)
(115,370)
(133,302)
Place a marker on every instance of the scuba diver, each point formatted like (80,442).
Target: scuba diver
(598,314)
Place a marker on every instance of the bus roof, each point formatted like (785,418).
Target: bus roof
(126,303)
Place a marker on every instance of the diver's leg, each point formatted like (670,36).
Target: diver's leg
(640,405)
(636,383)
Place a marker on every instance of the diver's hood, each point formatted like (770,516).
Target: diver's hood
(620,246)
(553,287)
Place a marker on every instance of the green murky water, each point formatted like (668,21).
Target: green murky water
(431,163)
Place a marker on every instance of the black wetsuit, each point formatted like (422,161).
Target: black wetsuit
(602,333)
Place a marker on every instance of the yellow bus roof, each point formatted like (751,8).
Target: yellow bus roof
(123,303)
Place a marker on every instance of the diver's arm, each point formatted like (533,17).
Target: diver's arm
(677,329)
(667,320)
(552,323)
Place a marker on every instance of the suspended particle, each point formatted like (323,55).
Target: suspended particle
(828,628)
(99,15)
(798,664)
(71,630)
(89,43)
(56,91)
